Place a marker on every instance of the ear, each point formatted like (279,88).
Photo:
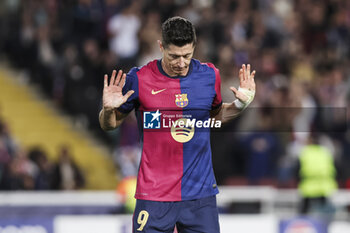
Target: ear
(160,46)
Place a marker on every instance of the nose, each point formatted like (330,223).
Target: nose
(181,62)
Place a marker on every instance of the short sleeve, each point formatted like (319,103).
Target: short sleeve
(217,102)
(131,83)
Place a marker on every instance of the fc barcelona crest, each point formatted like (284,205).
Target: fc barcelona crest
(181,100)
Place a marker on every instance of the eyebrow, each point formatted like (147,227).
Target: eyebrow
(177,55)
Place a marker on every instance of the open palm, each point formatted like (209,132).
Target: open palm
(246,81)
(112,92)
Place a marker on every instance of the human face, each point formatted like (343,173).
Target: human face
(176,60)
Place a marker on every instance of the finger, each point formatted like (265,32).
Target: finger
(248,71)
(122,81)
(253,74)
(239,95)
(106,80)
(244,72)
(234,90)
(241,79)
(128,94)
(120,73)
(111,82)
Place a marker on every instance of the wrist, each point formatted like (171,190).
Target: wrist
(239,104)
(108,110)
(243,104)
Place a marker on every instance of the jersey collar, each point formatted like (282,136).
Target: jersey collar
(160,68)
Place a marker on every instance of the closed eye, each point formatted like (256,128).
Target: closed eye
(186,56)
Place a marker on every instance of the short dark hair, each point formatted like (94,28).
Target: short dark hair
(178,31)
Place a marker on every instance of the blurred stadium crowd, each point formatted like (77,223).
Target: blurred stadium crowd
(32,170)
(299,48)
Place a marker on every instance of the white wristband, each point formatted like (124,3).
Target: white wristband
(239,104)
(250,94)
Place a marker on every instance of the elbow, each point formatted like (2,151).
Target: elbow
(107,127)
(104,128)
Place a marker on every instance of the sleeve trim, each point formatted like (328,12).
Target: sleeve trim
(216,106)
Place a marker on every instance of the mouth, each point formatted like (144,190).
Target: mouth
(179,69)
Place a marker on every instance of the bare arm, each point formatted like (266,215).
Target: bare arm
(110,118)
(225,113)
(244,96)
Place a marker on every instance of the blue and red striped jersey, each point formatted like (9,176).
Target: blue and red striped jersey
(176,161)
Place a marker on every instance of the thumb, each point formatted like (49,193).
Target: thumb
(234,90)
(239,95)
(128,94)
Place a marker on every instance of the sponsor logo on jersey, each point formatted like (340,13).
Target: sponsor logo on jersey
(157,92)
(181,100)
(181,131)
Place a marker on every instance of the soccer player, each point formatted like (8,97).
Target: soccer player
(175,99)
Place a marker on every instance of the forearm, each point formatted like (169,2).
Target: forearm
(110,119)
(227,112)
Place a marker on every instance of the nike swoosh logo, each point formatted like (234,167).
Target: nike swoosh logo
(156,92)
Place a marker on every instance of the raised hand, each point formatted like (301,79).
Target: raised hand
(246,89)
(112,93)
